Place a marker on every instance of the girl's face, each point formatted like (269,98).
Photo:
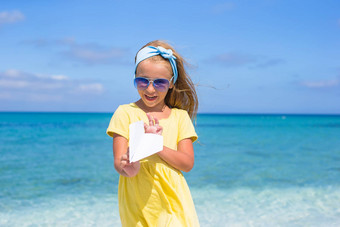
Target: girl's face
(151,97)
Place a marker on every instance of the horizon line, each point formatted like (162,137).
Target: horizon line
(199,113)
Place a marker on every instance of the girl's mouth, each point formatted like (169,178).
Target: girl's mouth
(150,98)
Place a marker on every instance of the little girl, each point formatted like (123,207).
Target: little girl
(153,191)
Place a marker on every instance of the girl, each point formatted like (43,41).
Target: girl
(153,191)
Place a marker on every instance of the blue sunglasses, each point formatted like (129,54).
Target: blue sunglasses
(160,84)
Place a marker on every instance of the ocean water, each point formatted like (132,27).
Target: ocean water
(56,169)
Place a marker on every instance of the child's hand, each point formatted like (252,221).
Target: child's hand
(153,126)
(131,169)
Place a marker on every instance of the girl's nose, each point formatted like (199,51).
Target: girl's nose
(151,88)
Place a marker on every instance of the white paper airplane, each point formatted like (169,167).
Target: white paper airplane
(143,144)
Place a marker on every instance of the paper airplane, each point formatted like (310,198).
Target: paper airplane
(143,144)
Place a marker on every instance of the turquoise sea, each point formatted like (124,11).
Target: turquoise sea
(56,169)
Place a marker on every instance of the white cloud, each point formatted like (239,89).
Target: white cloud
(321,83)
(10,17)
(13,83)
(5,95)
(236,59)
(223,7)
(87,53)
(45,97)
(59,77)
(93,53)
(233,59)
(19,85)
(11,73)
(270,63)
(95,88)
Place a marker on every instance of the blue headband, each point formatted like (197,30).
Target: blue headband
(150,51)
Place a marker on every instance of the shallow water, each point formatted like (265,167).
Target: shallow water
(250,170)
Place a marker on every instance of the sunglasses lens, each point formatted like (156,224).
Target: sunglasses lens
(161,84)
(141,83)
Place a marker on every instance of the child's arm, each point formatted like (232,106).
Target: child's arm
(183,158)
(121,157)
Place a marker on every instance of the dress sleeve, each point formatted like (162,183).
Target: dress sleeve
(119,123)
(186,128)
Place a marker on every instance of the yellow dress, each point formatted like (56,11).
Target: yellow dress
(158,195)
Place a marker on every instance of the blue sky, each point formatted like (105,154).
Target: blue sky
(255,56)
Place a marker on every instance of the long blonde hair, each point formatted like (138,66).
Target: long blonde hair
(183,94)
